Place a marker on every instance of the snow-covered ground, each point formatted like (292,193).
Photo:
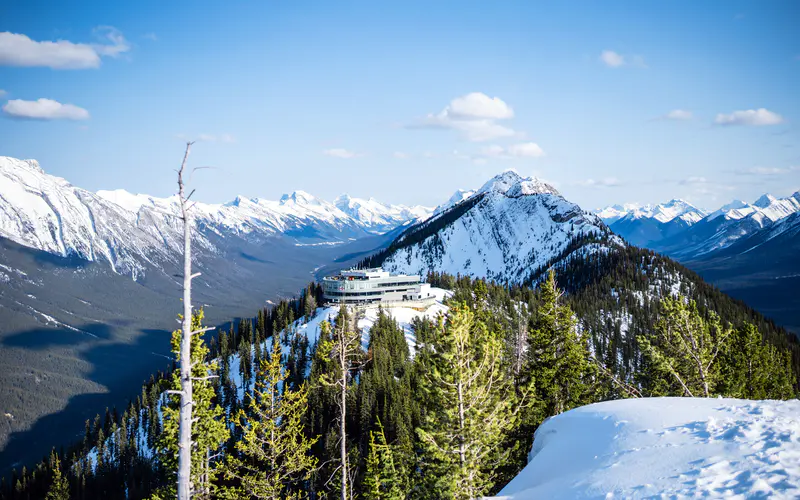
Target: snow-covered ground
(404,316)
(130,231)
(517,226)
(665,448)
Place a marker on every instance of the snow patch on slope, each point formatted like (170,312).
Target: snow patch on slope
(517,226)
(665,448)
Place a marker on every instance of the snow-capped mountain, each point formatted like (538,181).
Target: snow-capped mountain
(663,212)
(725,226)
(642,225)
(459,196)
(760,268)
(685,231)
(614,213)
(507,229)
(379,216)
(133,231)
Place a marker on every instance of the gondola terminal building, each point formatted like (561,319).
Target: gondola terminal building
(364,286)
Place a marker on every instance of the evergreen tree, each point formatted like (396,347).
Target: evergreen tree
(557,357)
(752,369)
(469,405)
(382,480)
(59,486)
(384,391)
(209,431)
(345,352)
(685,349)
(272,459)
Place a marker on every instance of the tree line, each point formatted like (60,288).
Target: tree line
(289,404)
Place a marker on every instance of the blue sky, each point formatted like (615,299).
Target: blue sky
(408,101)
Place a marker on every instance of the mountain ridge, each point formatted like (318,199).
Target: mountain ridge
(133,231)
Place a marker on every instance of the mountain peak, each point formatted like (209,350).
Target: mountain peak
(299,197)
(764,201)
(511,184)
(237,202)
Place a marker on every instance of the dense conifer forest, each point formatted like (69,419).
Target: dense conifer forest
(279,415)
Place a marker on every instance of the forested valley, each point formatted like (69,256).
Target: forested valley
(449,414)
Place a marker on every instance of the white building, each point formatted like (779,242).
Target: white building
(364,286)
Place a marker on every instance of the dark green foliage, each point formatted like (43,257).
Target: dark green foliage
(548,360)
(384,393)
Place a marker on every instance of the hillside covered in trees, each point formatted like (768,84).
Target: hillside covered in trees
(282,412)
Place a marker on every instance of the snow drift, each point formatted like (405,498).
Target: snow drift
(667,448)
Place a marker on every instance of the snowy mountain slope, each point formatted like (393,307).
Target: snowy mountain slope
(379,216)
(762,269)
(508,228)
(133,232)
(613,213)
(665,448)
(643,225)
(663,212)
(459,196)
(47,213)
(684,231)
(727,225)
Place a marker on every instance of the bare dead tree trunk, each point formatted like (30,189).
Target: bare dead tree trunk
(343,403)
(522,339)
(185,420)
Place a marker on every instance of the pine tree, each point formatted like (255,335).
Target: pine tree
(59,486)
(469,405)
(345,351)
(685,349)
(272,459)
(382,480)
(557,357)
(209,431)
(384,390)
(752,369)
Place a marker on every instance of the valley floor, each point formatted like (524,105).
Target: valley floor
(667,448)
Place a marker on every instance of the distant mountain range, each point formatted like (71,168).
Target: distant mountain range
(504,231)
(749,250)
(89,283)
(684,231)
(134,231)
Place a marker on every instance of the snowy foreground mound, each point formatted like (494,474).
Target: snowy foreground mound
(665,448)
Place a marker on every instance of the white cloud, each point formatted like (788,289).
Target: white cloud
(679,114)
(400,155)
(341,153)
(477,105)
(526,150)
(616,60)
(612,59)
(753,117)
(3,92)
(118,43)
(474,115)
(601,183)
(19,50)
(150,36)
(44,109)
